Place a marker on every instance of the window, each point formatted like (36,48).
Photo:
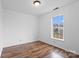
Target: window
(57,27)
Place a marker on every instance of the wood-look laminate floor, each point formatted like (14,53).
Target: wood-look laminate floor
(36,49)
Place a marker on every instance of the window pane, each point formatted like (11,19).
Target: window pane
(55,31)
(58,22)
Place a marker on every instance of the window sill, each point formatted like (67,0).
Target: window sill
(57,39)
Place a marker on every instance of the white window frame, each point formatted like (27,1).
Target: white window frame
(52,30)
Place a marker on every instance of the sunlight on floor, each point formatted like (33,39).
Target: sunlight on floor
(56,55)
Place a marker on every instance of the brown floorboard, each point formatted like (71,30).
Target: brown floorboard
(36,49)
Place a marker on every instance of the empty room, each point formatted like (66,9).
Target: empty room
(39,28)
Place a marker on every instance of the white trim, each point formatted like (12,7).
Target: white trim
(17,43)
(68,50)
(56,38)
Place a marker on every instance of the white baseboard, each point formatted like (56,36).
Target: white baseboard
(17,43)
(69,50)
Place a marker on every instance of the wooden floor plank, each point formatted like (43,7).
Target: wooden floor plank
(36,49)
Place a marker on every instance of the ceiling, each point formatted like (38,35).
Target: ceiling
(27,7)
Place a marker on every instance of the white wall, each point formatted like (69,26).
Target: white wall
(71,27)
(0,28)
(19,28)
